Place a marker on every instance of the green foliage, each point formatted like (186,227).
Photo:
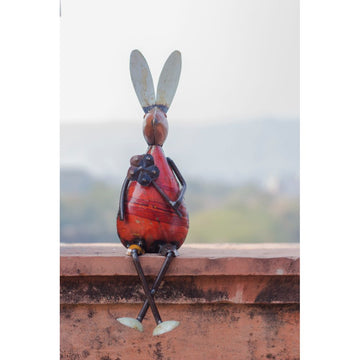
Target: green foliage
(89,216)
(244,214)
(218,213)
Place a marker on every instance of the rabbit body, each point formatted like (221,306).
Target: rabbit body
(148,217)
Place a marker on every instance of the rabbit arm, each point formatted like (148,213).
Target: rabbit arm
(181,180)
(121,212)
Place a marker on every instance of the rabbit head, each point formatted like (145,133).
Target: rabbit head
(155,127)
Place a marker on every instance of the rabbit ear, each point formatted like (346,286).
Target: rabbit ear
(142,80)
(168,81)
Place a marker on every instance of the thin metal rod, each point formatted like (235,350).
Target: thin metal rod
(166,198)
(157,282)
(121,212)
(181,180)
(146,288)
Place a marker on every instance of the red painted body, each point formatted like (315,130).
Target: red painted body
(147,215)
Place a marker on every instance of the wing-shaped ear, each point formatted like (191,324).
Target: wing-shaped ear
(142,80)
(168,81)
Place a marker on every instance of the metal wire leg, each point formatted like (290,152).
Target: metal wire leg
(145,286)
(162,327)
(155,287)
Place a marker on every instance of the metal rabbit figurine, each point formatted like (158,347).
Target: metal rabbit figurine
(152,216)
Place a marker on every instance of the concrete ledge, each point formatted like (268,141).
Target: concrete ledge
(199,260)
(232,301)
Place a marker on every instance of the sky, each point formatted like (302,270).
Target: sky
(240,58)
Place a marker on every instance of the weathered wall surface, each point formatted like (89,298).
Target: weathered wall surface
(244,305)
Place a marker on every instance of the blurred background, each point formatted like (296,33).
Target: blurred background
(233,124)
